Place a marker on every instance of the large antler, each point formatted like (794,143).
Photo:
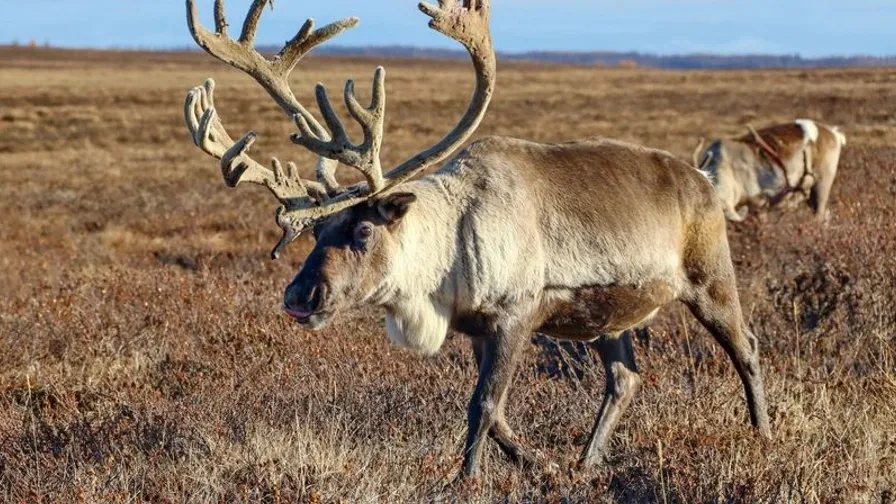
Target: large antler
(305,202)
(209,135)
(468,24)
(273,74)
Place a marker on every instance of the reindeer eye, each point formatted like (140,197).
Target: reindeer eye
(363,232)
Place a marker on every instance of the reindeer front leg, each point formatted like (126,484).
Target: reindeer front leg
(500,431)
(736,215)
(497,354)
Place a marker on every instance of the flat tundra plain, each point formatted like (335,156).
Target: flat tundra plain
(144,356)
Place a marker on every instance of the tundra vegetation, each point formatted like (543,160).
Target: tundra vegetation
(144,354)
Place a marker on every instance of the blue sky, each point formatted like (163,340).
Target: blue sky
(810,28)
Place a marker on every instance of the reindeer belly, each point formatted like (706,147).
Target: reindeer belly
(588,312)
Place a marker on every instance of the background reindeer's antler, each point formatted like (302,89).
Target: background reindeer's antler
(698,150)
(305,202)
(766,148)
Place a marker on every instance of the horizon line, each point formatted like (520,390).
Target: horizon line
(358,50)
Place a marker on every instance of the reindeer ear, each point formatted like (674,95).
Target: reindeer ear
(393,207)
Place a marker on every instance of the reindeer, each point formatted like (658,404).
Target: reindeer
(579,240)
(790,163)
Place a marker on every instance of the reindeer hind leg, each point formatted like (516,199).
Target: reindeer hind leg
(622,381)
(718,309)
(821,191)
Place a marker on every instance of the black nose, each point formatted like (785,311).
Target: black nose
(302,298)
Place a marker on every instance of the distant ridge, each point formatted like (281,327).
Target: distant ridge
(630,59)
(694,61)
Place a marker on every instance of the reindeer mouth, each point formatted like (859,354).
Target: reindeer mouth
(300,315)
(313,312)
(316,319)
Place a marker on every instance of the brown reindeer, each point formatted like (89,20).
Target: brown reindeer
(790,162)
(581,240)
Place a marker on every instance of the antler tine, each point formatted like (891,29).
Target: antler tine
(765,146)
(209,135)
(697,151)
(707,158)
(371,117)
(237,166)
(467,23)
(250,25)
(306,40)
(365,157)
(220,19)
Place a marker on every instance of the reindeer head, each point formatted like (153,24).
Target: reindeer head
(354,226)
(351,261)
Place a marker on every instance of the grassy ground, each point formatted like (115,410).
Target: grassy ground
(143,355)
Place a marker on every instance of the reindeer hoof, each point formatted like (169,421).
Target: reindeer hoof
(462,487)
(595,460)
(550,468)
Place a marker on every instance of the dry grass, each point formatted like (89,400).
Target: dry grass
(143,356)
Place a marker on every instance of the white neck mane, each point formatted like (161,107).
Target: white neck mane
(421,283)
(418,324)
